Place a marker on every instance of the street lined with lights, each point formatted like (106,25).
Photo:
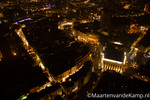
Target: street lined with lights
(32,53)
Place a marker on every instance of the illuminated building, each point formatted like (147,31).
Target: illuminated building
(85,37)
(114,58)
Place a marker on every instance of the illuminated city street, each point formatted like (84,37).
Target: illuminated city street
(74,49)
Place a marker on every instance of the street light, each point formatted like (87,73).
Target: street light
(14,53)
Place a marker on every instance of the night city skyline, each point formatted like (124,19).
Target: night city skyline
(74,49)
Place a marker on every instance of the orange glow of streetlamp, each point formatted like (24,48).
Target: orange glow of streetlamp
(14,53)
